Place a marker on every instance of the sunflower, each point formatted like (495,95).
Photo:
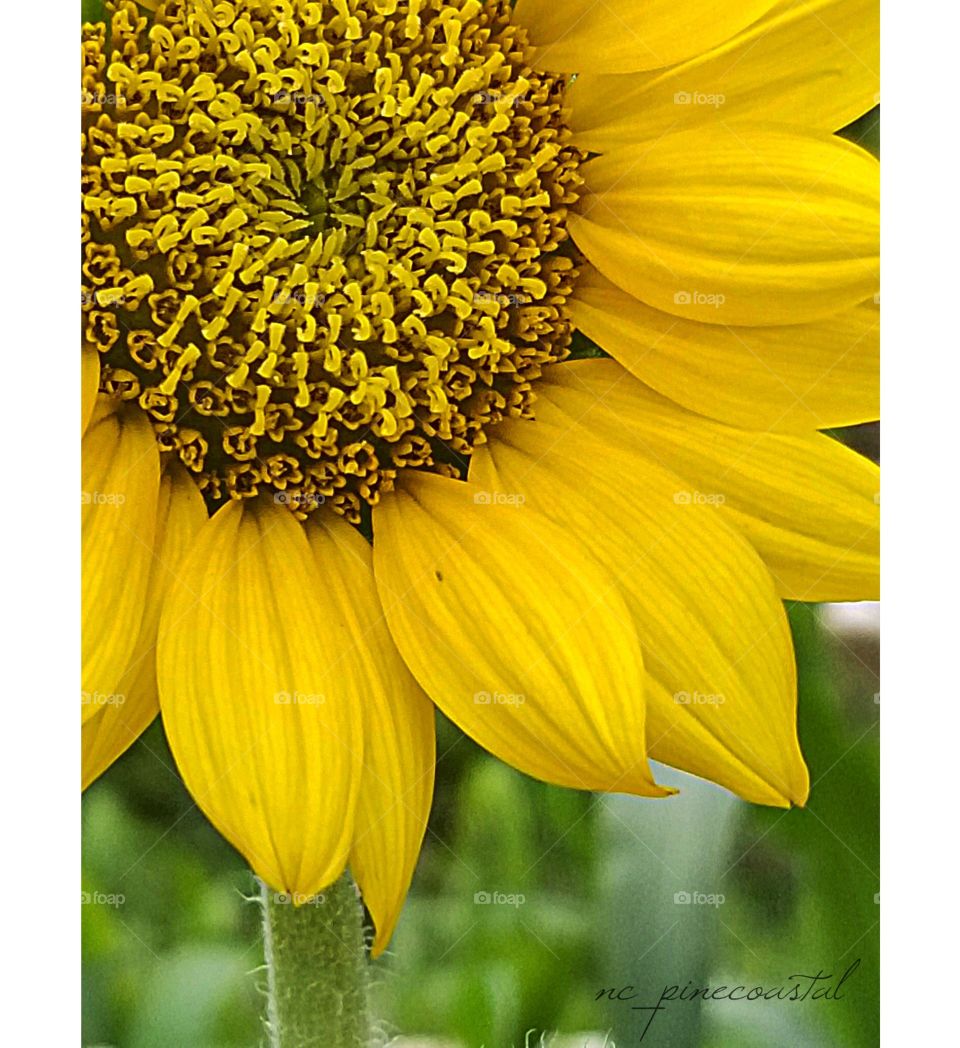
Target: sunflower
(350,449)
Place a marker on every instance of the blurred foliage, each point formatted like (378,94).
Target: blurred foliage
(168,940)
(93,11)
(866,131)
(469,965)
(171,948)
(806,882)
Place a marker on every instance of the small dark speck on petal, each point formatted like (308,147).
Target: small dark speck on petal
(439,575)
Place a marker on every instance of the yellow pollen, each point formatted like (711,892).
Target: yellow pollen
(323,241)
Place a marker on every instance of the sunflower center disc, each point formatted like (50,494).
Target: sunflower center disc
(323,242)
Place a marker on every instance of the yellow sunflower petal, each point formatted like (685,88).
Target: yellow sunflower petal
(180,515)
(735,225)
(121,480)
(722,688)
(787,377)
(261,689)
(399,748)
(89,384)
(515,632)
(815,64)
(806,503)
(630,35)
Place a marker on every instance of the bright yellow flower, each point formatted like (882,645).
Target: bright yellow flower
(335,465)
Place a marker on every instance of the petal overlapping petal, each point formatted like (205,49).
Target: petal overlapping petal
(791,377)
(262,686)
(121,482)
(399,739)
(735,225)
(721,682)
(814,63)
(180,515)
(807,504)
(515,632)
(629,35)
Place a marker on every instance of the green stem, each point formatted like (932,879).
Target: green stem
(316,969)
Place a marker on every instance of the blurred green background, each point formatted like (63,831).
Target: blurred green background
(171,946)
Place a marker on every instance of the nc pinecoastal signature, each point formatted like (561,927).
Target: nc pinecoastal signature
(800,987)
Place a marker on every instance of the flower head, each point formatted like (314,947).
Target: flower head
(332,257)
